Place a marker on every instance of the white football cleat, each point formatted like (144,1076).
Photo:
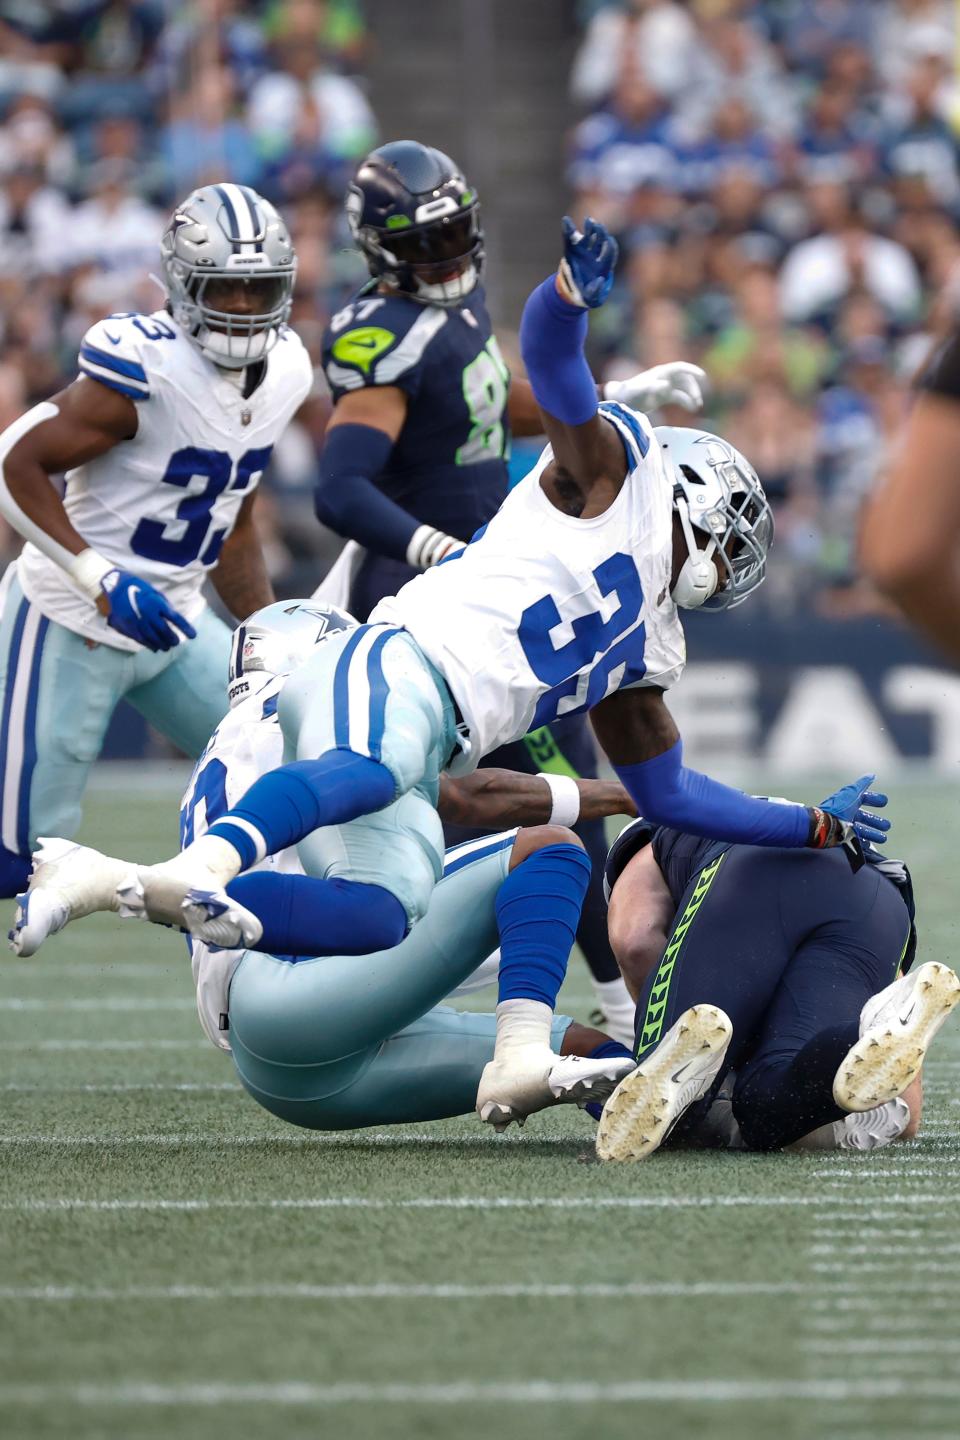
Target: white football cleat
(647,1103)
(860,1130)
(896,1028)
(511,1089)
(68,882)
(211,916)
(579,1080)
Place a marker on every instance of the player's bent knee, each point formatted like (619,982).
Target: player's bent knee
(539,837)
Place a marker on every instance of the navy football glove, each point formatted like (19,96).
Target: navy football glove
(141,613)
(847,804)
(589,259)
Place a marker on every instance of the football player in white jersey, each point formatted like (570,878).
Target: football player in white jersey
(163,437)
(566,601)
(361,1039)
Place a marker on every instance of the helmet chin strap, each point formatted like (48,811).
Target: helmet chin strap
(698,578)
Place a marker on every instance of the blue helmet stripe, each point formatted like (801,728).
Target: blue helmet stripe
(250,197)
(231,218)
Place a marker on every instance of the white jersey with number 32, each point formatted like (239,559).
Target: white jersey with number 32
(163,503)
(544,614)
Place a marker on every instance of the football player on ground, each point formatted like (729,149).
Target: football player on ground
(567,601)
(415,460)
(351,1040)
(164,437)
(779,971)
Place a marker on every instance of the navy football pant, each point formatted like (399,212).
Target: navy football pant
(790,944)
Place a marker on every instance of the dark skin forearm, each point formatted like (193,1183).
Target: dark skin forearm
(241,578)
(633,726)
(496,799)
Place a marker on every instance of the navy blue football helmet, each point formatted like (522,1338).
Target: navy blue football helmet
(417,222)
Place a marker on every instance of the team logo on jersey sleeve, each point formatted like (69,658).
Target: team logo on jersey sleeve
(361,347)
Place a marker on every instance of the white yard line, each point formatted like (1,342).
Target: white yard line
(466,1392)
(890,1345)
(627,1291)
(938,1267)
(114,1004)
(427,1203)
(22,1047)
(934,1247)
(119,1089)
(41,970)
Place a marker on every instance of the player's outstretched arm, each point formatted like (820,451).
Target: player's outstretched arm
(643,744)
(77,425)
(240,577)
(552,335)
(492,799)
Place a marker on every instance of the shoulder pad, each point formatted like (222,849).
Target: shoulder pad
(632,839)
(114,351)
(376,339)
(295,358)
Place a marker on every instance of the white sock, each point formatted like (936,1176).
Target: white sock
(614,1000)
(211,853)
(520,1025)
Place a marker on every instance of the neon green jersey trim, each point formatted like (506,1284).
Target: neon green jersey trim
(546,753)
(660,993)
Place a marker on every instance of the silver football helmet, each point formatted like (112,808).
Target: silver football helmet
(278,638)
(725,516)
(224,243)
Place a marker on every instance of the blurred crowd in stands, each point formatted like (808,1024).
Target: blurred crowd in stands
(113,110)
(784,178)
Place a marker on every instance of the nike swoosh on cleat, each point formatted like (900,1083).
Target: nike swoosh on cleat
(114,339)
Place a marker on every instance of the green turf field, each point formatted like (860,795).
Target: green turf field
(174,1262)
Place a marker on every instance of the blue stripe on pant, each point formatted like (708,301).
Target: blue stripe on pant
(30,740)
(346,1041)
(18,730)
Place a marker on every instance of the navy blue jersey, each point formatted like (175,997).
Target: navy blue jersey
(680,858)
(448,466)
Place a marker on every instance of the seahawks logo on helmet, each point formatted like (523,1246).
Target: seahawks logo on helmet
(417,222)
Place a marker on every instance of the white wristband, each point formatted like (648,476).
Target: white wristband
(428,546)
(565,797)
(86,570)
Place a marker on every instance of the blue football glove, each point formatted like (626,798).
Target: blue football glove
(141,613)
(847,804)
(589,259)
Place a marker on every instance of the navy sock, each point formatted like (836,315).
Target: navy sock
(538,910)
(286,804)
(609,1047)
(302,915)
(14,873)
